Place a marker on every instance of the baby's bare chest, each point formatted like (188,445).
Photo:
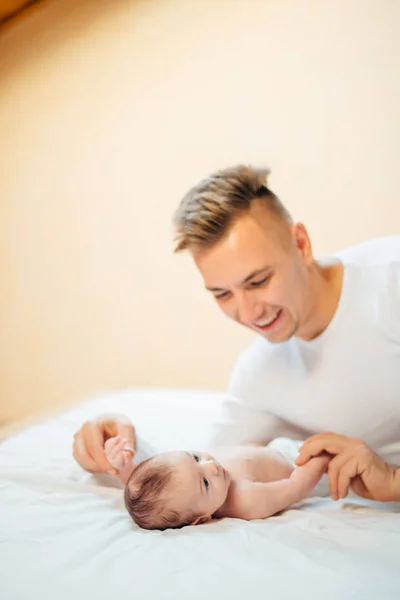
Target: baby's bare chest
(254,463)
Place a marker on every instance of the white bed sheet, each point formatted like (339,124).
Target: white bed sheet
(64,534)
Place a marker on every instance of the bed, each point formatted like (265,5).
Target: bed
(65,534)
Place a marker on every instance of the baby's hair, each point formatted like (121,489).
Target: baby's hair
(144,497)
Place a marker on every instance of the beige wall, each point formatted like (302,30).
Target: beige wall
(110,109)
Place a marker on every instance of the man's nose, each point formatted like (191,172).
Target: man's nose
(248,309)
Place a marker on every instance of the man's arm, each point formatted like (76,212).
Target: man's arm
(247,413)
(240,423)
(251,500)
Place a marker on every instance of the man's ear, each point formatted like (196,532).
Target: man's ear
(200,520)
(302,242)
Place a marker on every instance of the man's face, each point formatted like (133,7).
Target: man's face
(258,274)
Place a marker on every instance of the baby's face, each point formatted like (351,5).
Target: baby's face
(200,483)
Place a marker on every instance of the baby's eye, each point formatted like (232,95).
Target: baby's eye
(206,482)
(196,458)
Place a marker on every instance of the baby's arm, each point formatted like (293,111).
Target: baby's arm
(120,455)
(252,500)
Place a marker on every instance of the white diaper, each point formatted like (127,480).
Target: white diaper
(290,450)
(287,447)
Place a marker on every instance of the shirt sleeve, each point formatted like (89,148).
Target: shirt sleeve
(240,423)
(246,415)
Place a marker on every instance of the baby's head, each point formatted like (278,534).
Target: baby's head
(175,489)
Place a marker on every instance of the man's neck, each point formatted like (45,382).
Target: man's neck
(326,282)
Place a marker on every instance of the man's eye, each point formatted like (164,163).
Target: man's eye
(206,482)
(196,458)
(221,296)
(260,282)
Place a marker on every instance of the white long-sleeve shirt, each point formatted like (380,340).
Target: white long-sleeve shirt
(347,380)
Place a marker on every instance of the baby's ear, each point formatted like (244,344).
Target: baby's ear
(200,520)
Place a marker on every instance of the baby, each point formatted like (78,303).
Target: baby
(174,489)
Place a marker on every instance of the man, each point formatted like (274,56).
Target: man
(328,352)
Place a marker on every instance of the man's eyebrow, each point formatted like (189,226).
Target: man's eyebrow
(252,274)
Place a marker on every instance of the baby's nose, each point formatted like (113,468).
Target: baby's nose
(212,466)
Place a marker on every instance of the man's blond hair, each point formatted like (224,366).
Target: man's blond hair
(209,209)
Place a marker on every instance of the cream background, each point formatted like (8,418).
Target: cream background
(110,110)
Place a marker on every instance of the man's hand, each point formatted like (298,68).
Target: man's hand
(354,465)
(89,440)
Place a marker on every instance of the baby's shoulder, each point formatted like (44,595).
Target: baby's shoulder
(254,463)
(237,494)
(239,461)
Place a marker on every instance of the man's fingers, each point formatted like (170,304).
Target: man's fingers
(95,447)
(309,449)
(329,438)
(334,470)
(81,455)
(314,448)
(331,443)
(303,457)
(127,431)
(346,474)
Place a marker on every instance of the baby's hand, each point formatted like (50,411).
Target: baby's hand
(119,453)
